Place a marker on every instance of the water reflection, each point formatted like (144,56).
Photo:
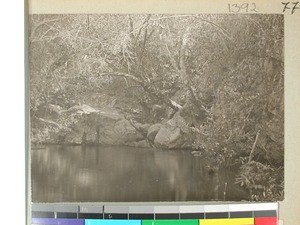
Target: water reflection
(120,174)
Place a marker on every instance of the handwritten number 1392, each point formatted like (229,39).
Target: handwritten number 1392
(246,7)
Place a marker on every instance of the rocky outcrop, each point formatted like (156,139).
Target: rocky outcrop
(83,124)
(107,128)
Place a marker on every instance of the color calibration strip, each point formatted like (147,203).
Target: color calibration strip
(89,214)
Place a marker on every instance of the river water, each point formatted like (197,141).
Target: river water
(125,174)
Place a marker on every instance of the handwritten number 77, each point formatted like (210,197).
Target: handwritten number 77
(287,6)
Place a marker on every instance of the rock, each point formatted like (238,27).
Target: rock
(55,108)
(49,111)
(153,130)
(170,134)
(178,121)
(125,132)
(168,137)
(83,124)
(82,109)
(97,127)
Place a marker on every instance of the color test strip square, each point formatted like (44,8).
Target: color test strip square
(169,222)
(113,222)
(266,221)
(235,221)
(46,221)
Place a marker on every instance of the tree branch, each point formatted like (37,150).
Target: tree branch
(223,31)
(145,24)
(172,60)
(253,146)
(140,132)
(167,101)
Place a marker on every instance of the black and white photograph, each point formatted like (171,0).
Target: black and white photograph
(156,107)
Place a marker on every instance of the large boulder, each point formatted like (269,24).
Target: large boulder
(168,137)
(100,129)
(172,134)
(153,130)
(87,125)
(179,121)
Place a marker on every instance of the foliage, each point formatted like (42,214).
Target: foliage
(263,182)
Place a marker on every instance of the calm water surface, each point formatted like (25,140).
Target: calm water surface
(125,174)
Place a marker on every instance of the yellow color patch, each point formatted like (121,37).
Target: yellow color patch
(234,221)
